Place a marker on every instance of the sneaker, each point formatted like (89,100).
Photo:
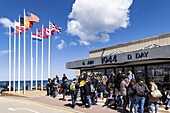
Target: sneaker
(104,106)
(90,107)
(83,106)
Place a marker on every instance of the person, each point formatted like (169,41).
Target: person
(57,79)
(48,86)
(95,85)
(82,82)
(112,79)
(74,91)
(118,80)
(141,90)
(131,93)
(64,87)
(123,89)
(51,88)
(64,79)
(87,91)
(153,100)
(110,99)
(104,81)
(55,87)
(168,100)
(130,75)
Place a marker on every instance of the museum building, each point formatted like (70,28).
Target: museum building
(148,57)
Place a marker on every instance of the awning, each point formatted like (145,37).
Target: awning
(146,56)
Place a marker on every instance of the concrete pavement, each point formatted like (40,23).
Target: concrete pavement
(19,105)
(57,103)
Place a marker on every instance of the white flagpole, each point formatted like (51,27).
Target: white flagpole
(19,59)
(9,58)
(36,65)
(42,59)
(49,52)
(24,57)
(14,60)
(31,64)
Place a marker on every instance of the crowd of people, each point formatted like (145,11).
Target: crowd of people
(119,91)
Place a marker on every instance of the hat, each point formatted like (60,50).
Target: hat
(74,79)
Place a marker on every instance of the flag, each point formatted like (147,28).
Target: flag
(29,24)
(14,30)
(45,36)
(21,21)
(55,28)
(36,36)
(46,31)
(31,17)
(21,28)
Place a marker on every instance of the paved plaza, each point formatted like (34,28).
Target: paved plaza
(38,102)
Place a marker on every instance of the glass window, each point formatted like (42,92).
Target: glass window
(118,69)
(99,71)
(139,71)
(109,71)
(126,69)
(161,75)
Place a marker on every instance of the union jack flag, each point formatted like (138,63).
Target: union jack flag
(54,28)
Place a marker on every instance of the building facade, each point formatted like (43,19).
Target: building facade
(149,57)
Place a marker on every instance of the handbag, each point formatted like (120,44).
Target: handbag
(156,93)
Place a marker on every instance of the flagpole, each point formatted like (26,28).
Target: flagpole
(49,51)
(24,56)
(9,58)
(19,58)
(36,65)
(31,65)
(42,59)
(14,60)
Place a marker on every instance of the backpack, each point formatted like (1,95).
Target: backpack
(140,89)
(72,86)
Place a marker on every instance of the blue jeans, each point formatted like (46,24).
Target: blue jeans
(156,106)
(89,100)
(73,99)
(48,90)
(142,102)
(132,100)
(119,100)
(96,97)
(104,90)
(64,93)
(168,104)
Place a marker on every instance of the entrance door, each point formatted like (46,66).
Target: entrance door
(139,72)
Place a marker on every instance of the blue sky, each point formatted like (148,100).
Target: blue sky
(86,25)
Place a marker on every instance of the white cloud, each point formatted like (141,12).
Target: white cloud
(83,42)
(6,22)
(4,52)
(61,45)
(93,20)
(72,44)
(56,37)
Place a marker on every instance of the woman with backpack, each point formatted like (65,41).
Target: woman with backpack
(153,100)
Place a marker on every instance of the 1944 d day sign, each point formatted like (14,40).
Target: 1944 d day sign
(138,55)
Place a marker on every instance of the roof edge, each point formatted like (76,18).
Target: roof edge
(132,42)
